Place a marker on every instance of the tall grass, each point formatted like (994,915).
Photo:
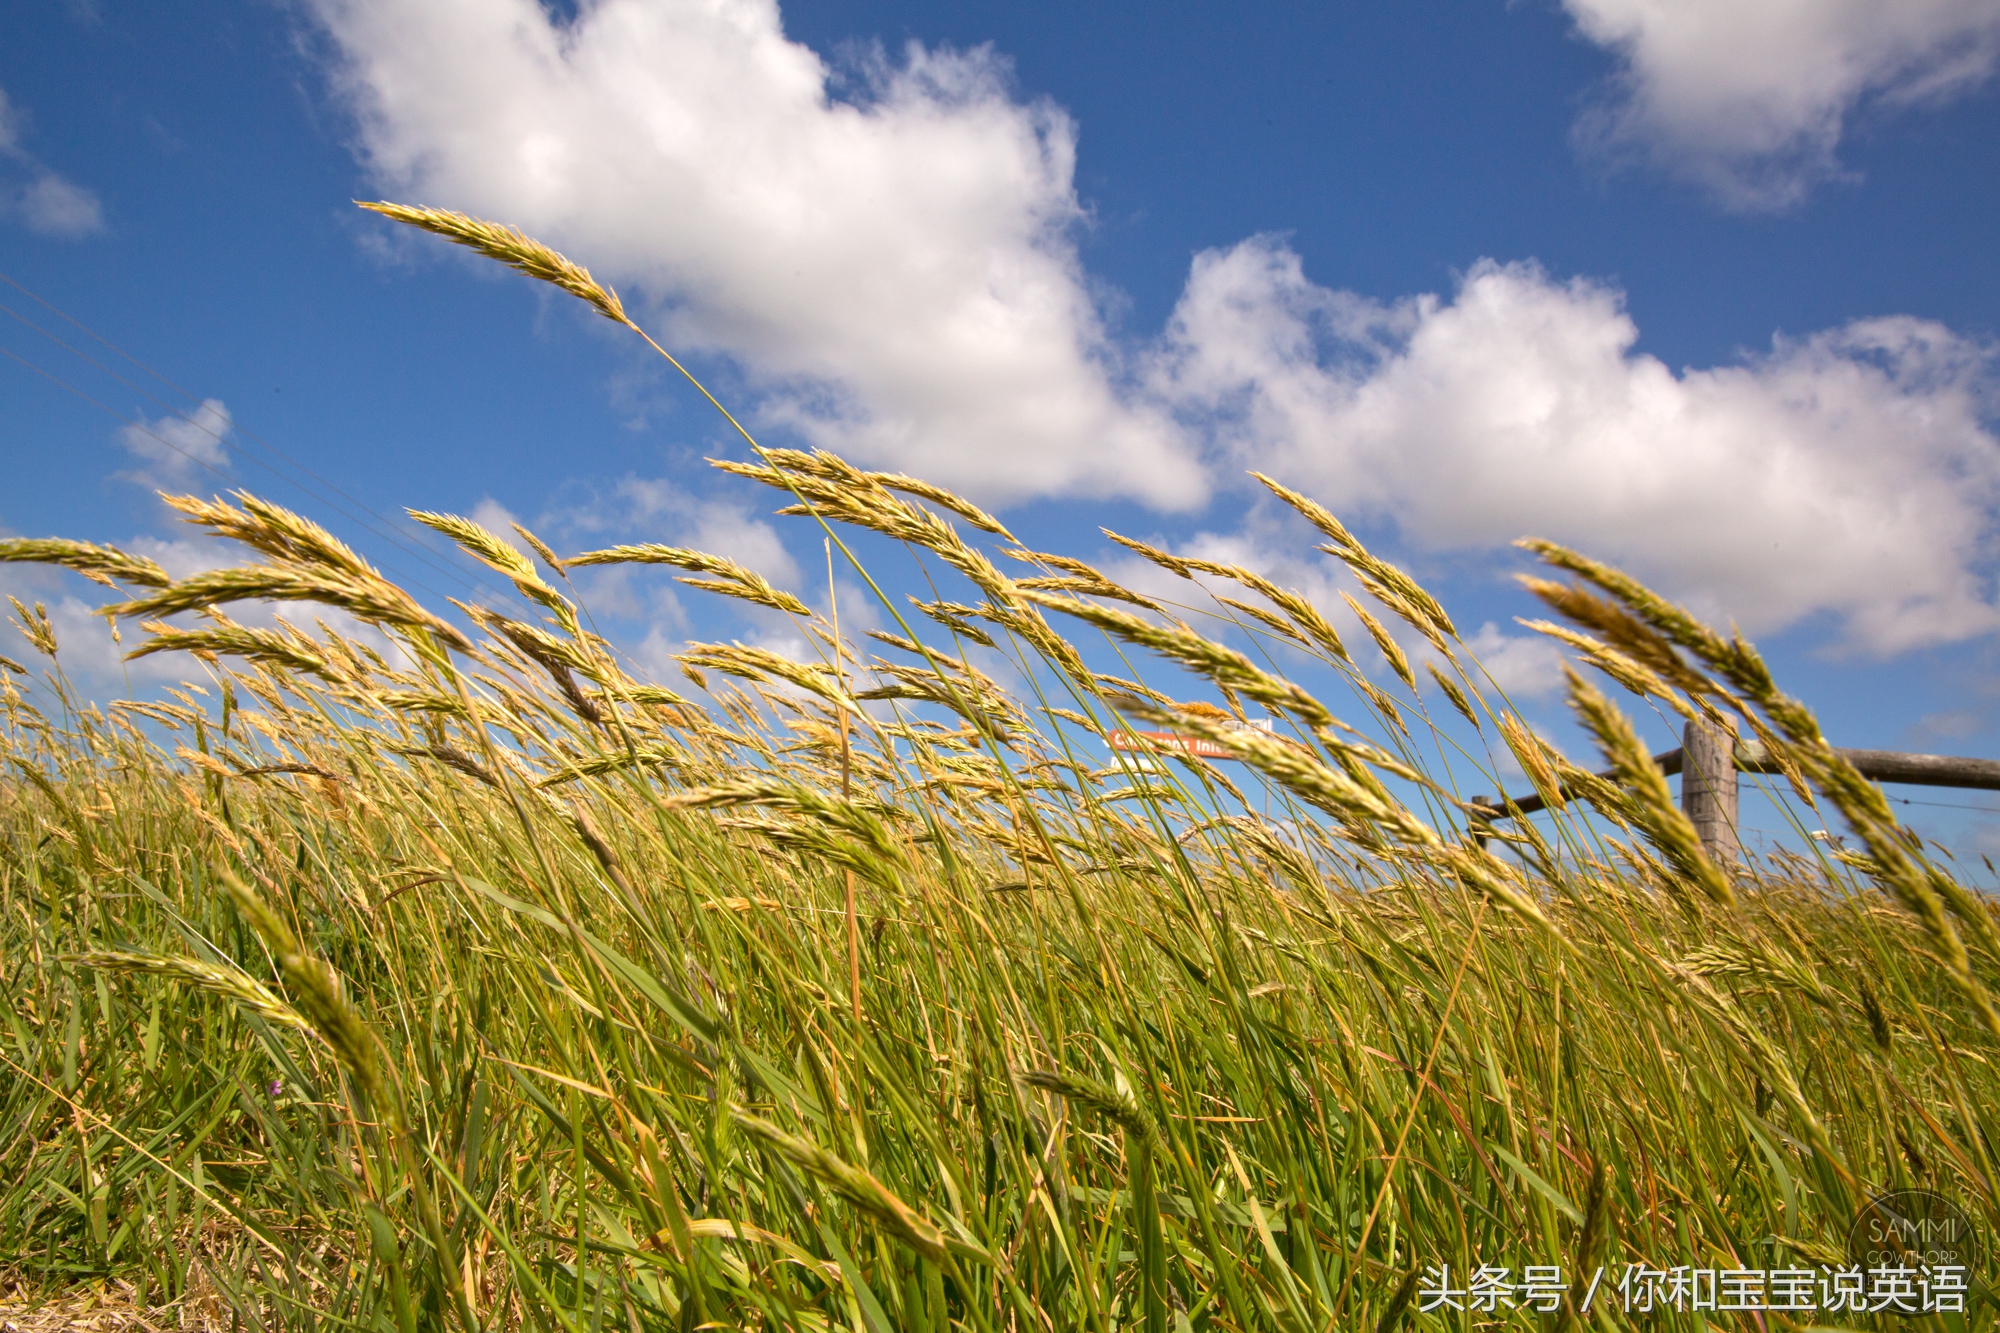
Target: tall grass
(463,980)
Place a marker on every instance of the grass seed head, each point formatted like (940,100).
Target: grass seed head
(1454,693)
(100,564)
(318,993)
(731,579)
(1653,807)
(229,983)
(1114,1104)
(517,251)
(851,1183)
(1392,652)
(35,627)
(290,650)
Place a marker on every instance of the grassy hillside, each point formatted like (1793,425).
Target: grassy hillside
(406,977)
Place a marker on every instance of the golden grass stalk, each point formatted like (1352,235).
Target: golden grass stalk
(290,650)
(1277,624)
(497,554)
(1391,650)
(1663,618)
(944,499)
(35,627)
(761,664)
(1308,618)
(539,547)
(1388,584)
(851,1183)
(1399,601)
(1628,635)
(1652,805)
(453,758)
(1224,666)
(1628,671)
(229,983)
(1363,806)
(956,617)
(967,691)
(835,491)
(831,811)
(1304,615)
(374,600)
(1313,512)
(733,580)
(273,530)
(1163,559)
(621,762)
(1932,896)
(1454,693)
(317,992)
(1090,587)
(534,642)
(100,564)
(519,252)
(1535,759)
(308,564)
(840,492)
(1356,798)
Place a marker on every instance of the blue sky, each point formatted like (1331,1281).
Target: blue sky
(1708,290)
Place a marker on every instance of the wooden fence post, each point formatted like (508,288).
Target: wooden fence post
(1708,788)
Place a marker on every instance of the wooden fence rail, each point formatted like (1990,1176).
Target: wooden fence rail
(1710,758)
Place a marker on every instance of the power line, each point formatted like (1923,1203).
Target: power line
(1944,805)
(387,532)
(203,463)
(382,526)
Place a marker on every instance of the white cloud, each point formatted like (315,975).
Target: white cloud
(1748,98)
(496,518)
(895,272)
(896,275)
(655,660)
(178,449)
(1849,473)
(183,557)
(51,206)
(1521,666)
(1954,724)
(10,127)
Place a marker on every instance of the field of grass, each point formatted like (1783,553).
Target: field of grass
(441,974)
